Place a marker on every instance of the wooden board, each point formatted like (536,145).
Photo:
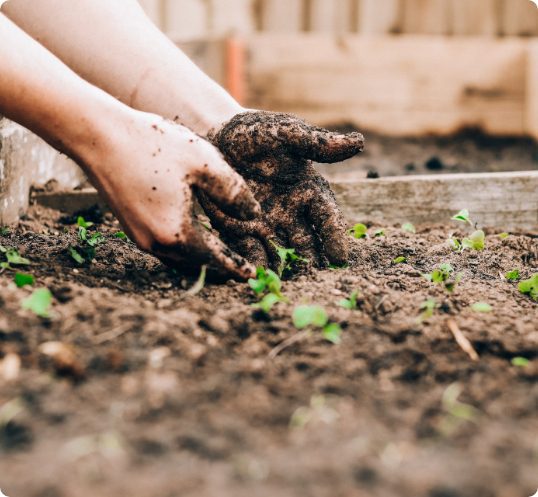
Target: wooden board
(532,90)
(278,16)
(379,18)
(475,17)
(507,201)
(426,16)
(328,16)
(232,17)
(519,18)
(397,85)
(186,19)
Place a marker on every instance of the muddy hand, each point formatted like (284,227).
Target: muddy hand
(274,152)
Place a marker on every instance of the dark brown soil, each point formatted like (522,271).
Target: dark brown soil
(174,395)
(467,152)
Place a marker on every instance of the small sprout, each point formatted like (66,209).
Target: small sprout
(76,256)
(336,267)
(455,244)
(378,233)
(309,315)
(462,216)
(428,308)
(441,274)
(476,241)
(530,287)
(200,282)
(268,302)
(359,231)
(39,302)
(456,412)
(350,303)
(316,316)
(409,227)
(23,279)
(4,231)
(481,307)
(513,275)
(504,236)
(450,286)
(332,332)
(13,257)
(266,281)
(122,236)
(288,259)
(82,223)
(520,362)
(399,260)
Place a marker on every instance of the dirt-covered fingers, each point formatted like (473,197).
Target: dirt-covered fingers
(226,188)
(330,225)
(305,242)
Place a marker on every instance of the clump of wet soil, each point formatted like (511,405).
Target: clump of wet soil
(174,394)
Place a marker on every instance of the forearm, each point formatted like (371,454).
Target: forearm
(113,44)
(38,91)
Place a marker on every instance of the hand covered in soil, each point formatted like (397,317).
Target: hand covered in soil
(148,174)
(274,152)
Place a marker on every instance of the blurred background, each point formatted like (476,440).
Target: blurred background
(200,18)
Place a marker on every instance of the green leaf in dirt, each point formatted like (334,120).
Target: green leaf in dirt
(455,244)
(399,260)
(268,302)
(503,236)
(520,362)
(23,279)
(288,258)
(351,302)
(13,257)
(332,332)
(82,223)
(4,231)
(266,280)
(359,231)
(441,274)
(200,282)
(451,285)
(512,275)
(378,233)
(122,236)
(336,267)
(39,302)
(481,307)
(73,252)
(477,241)
(530,287)
(428,308)
(409,227)
(462,216)
(95,239)
(309,315)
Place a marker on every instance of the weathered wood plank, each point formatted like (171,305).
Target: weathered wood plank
(379,18)
(426,16)
(519,18)
(282,17)
(188,19)
(507,201)
(328,16)
(400,85)
(532,90)
(476,17)
(231,17)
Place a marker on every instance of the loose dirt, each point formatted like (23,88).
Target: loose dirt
(170,394)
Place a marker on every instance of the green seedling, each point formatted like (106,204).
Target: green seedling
(513,275)
(23,279)
(13,258)
(400,260)
(268,288)
(530,287)
(428,308)
(351,302)
(503,236)
(520,362)
(4,231)
(359,231)
(409,227)
(378,233)
(86,251)
(122,236)
(336,267)
(267,303)
(288,259)
(39,302)
(444,274)
(200,282)
(481,307)
(455,244)
(315,316)
(462,216)
(477,241)
(456,412)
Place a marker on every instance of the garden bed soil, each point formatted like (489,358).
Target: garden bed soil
(170,394)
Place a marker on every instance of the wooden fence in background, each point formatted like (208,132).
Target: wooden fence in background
(203,18)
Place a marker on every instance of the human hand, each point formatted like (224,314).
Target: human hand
(148,170)
(273,152)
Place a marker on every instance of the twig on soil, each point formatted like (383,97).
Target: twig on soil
(288,343)
(462,340)
(112,334)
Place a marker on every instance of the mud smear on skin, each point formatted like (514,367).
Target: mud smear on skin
(179,394)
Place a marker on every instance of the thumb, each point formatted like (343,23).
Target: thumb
(321,145)
(227,189)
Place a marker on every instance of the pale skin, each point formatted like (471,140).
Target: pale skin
(97,92)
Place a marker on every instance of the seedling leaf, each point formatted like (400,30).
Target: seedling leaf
(23,279)
(520,362)
(428,308)
(530,287)
(481,307)
(39,302)
(379,233)
(399,260)
(350,303)
(503,236)
(266,280)
(309,315)
(512,275)
(268,302)
(409,227)
(122,236)
(332,332)
(462,216)
(359,231)
(288,258)
(76,256)
(83,223)
(476,241)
